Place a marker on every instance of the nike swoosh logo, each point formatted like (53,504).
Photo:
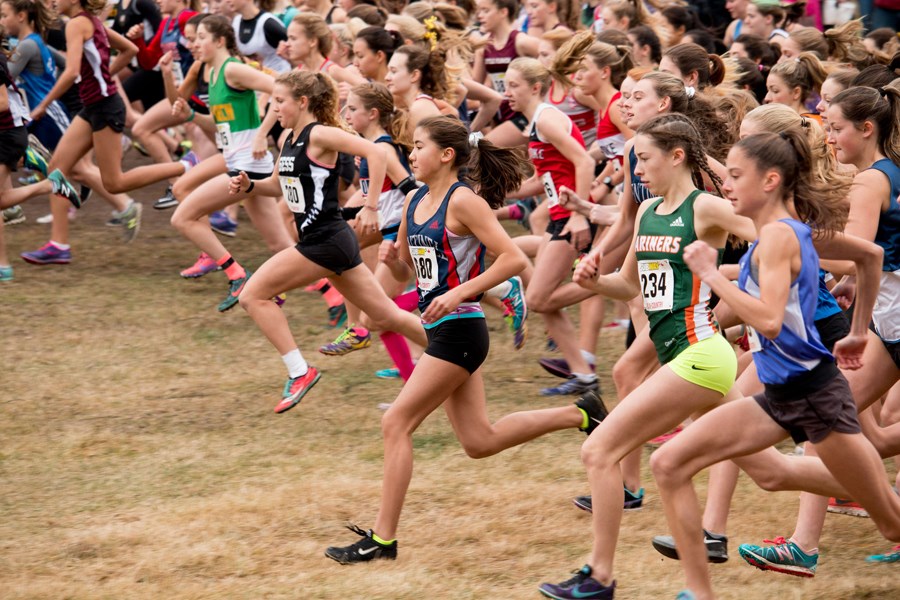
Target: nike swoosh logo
(369,551)
(578,594)
(696,368)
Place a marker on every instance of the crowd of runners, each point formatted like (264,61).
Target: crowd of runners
(721,181)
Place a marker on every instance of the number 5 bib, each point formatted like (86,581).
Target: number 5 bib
(657,284)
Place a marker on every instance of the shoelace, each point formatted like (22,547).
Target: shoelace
(779,541)
(347,333)
(578,578)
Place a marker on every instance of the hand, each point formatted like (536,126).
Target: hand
(239,183)
(701,259)
(580,231)
(441,306)
(568,199)
(845,292)
(260,145)
(39,111)
(388,252)
(282,51)
(181,109)
(165,62)
(366,221)
(587,270)
(848,352)
(135,32)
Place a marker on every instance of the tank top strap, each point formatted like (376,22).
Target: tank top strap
(445,203)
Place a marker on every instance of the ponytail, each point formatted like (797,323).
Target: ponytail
(845,45)
(805,72)
(690,58)
(393,120)
(39,15)
(583,46)
(820,205)
(494,172)
(219,27)
(380,40)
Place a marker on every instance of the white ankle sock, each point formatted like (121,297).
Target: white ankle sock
(295,364)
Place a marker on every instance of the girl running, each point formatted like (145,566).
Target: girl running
(504,44)
(445,232)
(307,103)
(806,396)
(309,42)
(792,83)
(560,160)
(419,79)
(259,32)
(864,130)
(699,365)
(100,123)
(372,50)
(232,101)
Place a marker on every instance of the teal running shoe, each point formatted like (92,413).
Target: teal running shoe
(890,557)
(784,557)
(515,312)
(62,187)
(6,273)
(235,287)
(388,373)
(685,595)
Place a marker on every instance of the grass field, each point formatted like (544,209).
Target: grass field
(140,457)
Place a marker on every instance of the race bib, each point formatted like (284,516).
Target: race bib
(753,340)
(223,136)
(657,284)
(498,80)
(425,262)
(550,189)
(177,73)
(293,193)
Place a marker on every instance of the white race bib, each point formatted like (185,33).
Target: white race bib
(498,80)
(657,284)
(550,189)
(177,73)
(223,136)
(293,193)
(425,261)
(753,340)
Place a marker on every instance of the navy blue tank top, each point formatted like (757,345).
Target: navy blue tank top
(442,259)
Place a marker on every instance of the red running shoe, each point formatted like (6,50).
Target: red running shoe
(296,387)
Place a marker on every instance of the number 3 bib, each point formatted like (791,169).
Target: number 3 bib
(657,284)
(293,193)
(425,261)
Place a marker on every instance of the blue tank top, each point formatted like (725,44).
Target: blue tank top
(638,189)
(798,348)
(888,234)
(826,305)
(442,259)
(38,86)
(172,40)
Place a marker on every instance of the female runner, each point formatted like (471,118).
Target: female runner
(232,101)
(699,365)
(307,175)
(100,123)
(806,396)
(444,234)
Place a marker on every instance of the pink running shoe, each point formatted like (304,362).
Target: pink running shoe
(204,265)
(659,441)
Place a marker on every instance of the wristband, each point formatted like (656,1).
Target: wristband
(250,187)
(190,116)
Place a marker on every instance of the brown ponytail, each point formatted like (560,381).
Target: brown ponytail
(320,90)
(493,172)
(821,205)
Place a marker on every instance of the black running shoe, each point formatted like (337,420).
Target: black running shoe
(591,403)
(364,550)
(633,501)
(716,546)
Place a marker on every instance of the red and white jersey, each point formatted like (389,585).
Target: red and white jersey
(584,117)
(552,166)
(609,138)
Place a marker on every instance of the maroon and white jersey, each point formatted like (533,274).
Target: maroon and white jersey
(95,80)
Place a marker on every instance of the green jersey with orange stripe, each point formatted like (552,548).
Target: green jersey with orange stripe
(675,300)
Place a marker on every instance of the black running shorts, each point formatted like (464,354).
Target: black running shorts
(463,342)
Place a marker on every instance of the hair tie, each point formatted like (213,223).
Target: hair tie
(760,67)
(883,92)
(804,122)
(690,91)
(783,136)
(474,138)
(431,31)
(797,59)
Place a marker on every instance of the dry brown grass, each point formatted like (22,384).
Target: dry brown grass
(140,456)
